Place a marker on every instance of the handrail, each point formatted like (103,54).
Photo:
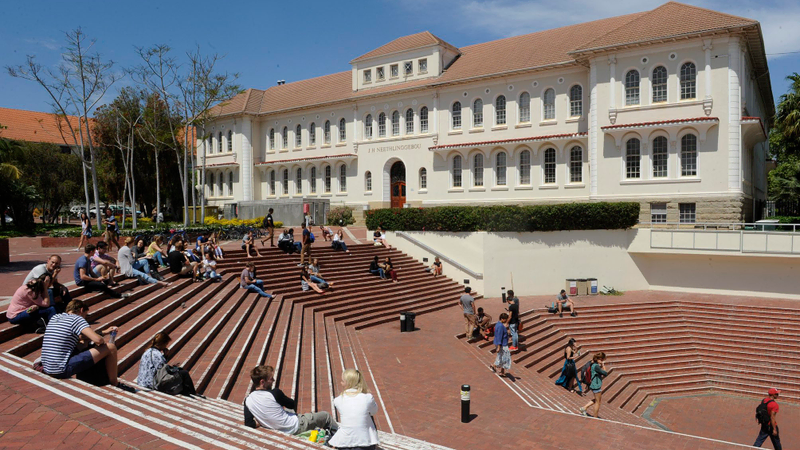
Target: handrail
(734,226)
(470,272)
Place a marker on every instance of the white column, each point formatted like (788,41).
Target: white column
(246,164)
(612,83)
(593,128)
(708,101)
(734,117)
(436,114)
(356,128)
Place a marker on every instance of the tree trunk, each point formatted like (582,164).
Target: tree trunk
(133,187)
(158,188)
(203,178)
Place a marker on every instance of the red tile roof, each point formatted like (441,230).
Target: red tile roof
(548,137)
(401,44)
(660,122)
(313,158)
(34,126)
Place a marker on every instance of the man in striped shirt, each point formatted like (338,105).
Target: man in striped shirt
(61,357)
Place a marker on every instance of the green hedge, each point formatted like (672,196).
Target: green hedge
(567,216)
(786,219)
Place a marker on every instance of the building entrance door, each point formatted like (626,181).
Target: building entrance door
(398,184)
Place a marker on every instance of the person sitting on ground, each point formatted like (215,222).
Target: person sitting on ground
(110,221)
(269,407)
(153,359)
(63,357)
(483,323)
(86,231)
(356,408)
(103,264)
(85,276)
(156,252)
(249,243)
(31,305)
(338,241)
(307,283)
(249,281)
(180,264)
(435,268)
(57,293)
(143,262)
(126,264)
(375,268)
(326,232)
(562,301)
(314,274)
(379,238)
(388,268)
(210,267)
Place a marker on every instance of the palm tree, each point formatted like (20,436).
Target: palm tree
(787,119)
(8,151)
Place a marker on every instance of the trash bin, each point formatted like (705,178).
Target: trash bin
(411,319)
(583,286)
(572,286)
(593,289)
(402,322)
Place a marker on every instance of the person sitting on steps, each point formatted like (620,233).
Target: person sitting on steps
(286,242)
(563,301)
(389,269)
(315,276)
(338,241)
(86,277)
(126,265)
(58,293)
(326,232)
(157,252)
(249,281)
(180,264)
(435,268)
(483,323)
(307,283)
(103,264)
(30,305)
(376,268)
(379,238)
(248,244)
(153,359)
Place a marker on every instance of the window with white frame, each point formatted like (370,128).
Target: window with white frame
(576,165)
(688,81)
(477,170)
(298,136)
(408,68)
(285,138)
(422,65)
(423,119)
(456,171)
(368,76)
(368,126)
(230,184)
(633,159)
(312,134)
(689,155)
(382,125)
(342,178)
(660,157)
(500,167)
(285,181)
(658,212)
(456,115)
(525,168)
(687,212)
(576,101)
(395,123)
(549,104)
(210,148)
(379,74)
(230,140)
(327,175)
(477,113)
(272,182)
(500,110)
(298,181)
(659,82)
(342,130)
(368,181)
(211,185)
(423,179)
(550,166)
(327,132)
(409,121)
(524,107)
(312,180)
(220,182)
(219,142)
(632,88)
(272,138)
(394,71)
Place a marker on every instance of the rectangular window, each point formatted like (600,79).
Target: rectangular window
(327,179)
(477,171)
(394,71)
(422,65)
(687,212)
(379,73)
(689,156)
(368,76)
(408,68)
(576,165)
(658,212)
(525,167)
(549,166)
(298,182)
(312,180)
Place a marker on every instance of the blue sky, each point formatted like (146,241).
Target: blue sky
(270,40)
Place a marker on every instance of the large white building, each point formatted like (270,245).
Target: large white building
(668,107)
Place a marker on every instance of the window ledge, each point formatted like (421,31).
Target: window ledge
(312,147)
(545,123)
(499,127)
(476,130)
(523,125)
(367,192)
(284,150)
(422,191)
(325,146)
(662,181)
(326,195)
(368,82)
(453,132)
(548,186)
(574,185)
(341,194)
(574,119)
(341,144)
(270,152)
(422,72)
(500,188)
(455,190)
(525,187)
(297,149)
(477,189)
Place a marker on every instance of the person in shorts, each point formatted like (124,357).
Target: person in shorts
(269,224)
(598,372)
(502,358)
(111,229)
(467,303)
(562,301)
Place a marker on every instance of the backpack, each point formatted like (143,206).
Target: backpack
(168,380)
(311,237)
(323,285)
(762,413)
(586,371)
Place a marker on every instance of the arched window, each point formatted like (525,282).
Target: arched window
(342,130)
(230,140)
(326,130)
(550,166)
(660,157)
(285,182)
(689,156)
(220,182)
(285,138)
(659,81)
(456,171)
(382,125)
(298,181)
(368,126)
(632,87)
(211,185)
(342,178)
(368,181)
(327,179)
(219,142)
(298,136)
(312,180)
(525,167)
(688,81)
(500,169)
(272,138)
(524,107)
(477,113)
(477,170)
(500,110)
(549,104)
(576,165)
(633,156)
(423,179)
(456,116)
(576,101)
(312,134)
(409,121)
(210,148)
(423,119)
(230,184)
(272,183)
(395,123)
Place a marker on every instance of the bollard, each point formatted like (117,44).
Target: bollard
(464,403)
(503,290)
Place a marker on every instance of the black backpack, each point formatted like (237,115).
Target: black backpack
(762,413)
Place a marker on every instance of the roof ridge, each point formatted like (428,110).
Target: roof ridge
(705,9)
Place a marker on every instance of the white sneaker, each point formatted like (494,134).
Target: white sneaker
(126,294)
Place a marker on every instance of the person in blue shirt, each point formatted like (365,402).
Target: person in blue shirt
(502,359)
(111,229)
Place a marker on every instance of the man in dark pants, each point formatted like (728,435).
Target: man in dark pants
(305,250)
(513,320)
(770,429)
(269,224)
(85,276)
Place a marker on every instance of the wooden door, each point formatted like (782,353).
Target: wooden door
(398,194)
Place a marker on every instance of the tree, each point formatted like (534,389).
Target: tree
(784,139)
(9,172)
(55,176)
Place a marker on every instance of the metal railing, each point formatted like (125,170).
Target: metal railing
(452,262)
(769,238)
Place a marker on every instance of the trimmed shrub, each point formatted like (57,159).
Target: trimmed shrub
(341,215)
(567,216)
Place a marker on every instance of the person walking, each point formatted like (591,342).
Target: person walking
(86,231)
(597,373)
(305,251)
(569,373)
(767,417)
(269,224)
(513,320)
(502,359)
(467,303)
(110,221)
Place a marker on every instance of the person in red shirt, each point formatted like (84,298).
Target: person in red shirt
(770,429)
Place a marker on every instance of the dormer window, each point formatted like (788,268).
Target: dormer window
(368,76)
(379,73)
(422,65)
(394,71)
(408,68)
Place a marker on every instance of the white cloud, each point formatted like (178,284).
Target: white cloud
(49,44)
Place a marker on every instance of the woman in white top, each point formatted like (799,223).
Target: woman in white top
(356,407)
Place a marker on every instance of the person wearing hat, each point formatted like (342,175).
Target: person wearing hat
(770,428)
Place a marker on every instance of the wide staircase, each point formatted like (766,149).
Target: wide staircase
(657,350)
(219,332)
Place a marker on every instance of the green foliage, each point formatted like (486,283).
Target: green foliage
(786,219)
(784,180)
(341,215)
(55,175)
(568,216)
